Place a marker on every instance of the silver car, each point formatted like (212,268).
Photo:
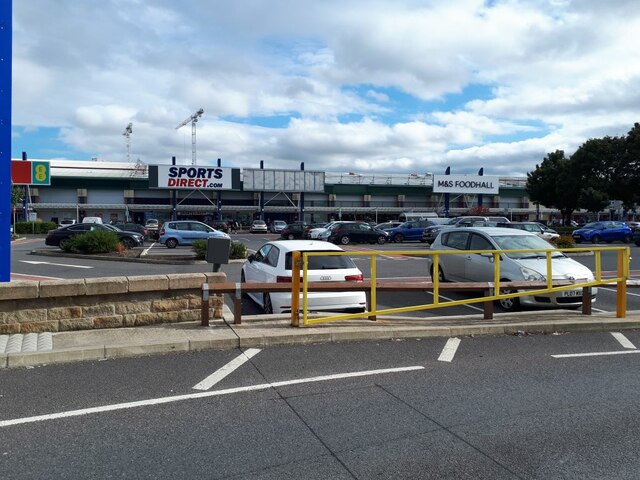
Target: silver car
(525,266)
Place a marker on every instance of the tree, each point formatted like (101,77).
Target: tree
(593,200)
(553,184)
(17,195)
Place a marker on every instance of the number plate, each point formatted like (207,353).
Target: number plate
(572,293)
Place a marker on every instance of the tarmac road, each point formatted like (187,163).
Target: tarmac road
(504,407)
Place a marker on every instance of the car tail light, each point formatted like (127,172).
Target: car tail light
(145,231)
(283,279)
(162,232)
(353,278)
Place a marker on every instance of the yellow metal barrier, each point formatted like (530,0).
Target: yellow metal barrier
(301,263)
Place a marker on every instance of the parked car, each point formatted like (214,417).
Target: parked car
(58,237)
(132,227)
(313,233)
(277,226)
(596,232)
(636,237)
(184,232)
(409,230)
(356,232)
(533,227)
(386,225)
(66,222)
(430,233)
(524,266)
(92,220)
(294,230)
(258,226)
(272,264)
(221,225)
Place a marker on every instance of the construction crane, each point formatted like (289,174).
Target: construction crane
(193,119)
(127,134)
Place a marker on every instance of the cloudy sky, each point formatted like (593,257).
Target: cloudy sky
(395,86)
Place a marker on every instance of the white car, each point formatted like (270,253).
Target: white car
(272,264)
(258,226)
(316,233)
(514,267)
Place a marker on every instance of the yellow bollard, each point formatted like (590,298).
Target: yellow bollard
(295,289)
(621,290)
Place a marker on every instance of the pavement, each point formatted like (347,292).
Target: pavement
(270,330)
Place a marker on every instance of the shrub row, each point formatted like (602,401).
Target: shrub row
(237,250)
(97,241)
(34,227)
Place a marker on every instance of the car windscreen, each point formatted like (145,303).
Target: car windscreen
(593,225)
(332,262)
(524,242)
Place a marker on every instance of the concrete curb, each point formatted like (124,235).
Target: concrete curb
(155,259)
(269,337)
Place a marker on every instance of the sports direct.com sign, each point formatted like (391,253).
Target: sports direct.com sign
(472,184)
(191,177)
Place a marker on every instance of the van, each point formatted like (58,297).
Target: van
(92,220)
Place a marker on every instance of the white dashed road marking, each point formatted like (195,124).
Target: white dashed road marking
(624,341)
(449,350)
(222,372)
(193,396)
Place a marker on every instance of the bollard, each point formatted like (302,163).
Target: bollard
(204,314)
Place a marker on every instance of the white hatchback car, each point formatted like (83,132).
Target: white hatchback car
(272,263)
(515,267)
(316,233)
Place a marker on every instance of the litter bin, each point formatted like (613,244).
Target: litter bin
(218,252)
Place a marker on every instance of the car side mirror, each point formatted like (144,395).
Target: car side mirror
(251,258)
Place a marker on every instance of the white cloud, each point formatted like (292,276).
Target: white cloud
(557,73)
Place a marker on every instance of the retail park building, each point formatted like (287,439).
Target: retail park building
(115,191)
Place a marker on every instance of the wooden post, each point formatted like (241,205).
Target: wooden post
(586,300)
(237,305)
(204,305)
(488,305)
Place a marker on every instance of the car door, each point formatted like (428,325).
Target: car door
(453,265)
(479,267)
(363,233)
(77,229)
(610,232)
(260,269)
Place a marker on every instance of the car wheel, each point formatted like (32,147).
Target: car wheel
(595,239)
(638,243)
(267,308)
(627,239)
(509,304)
(243,280)
(441,276)
(344,240)
(290,236)
(398,238)
(382,240)
(171,243)
(127,242)
(63,242)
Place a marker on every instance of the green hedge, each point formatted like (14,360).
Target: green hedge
(97,241)
(564,230)
(34,227)
(237,250)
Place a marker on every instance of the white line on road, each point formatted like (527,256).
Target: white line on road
(146,250)
(624,341)
(614,290)
(449,350)
(192,396)
(222,372)
(594,354)
(34,262)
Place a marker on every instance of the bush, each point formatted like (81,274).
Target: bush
(34,227)
(565,241)
(237,250)
(564,230)
(97,241)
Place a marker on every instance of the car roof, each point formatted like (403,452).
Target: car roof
(297,245)
(491,231)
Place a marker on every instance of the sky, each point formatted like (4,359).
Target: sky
(364,86)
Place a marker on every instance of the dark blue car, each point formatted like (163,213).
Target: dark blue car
(609,231)
(409,230)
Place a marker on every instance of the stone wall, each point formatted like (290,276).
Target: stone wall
(108,302)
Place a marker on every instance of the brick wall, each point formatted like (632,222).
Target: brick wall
(108,302)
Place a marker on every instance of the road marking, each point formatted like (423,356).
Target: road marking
(146,250)
(33,262)
(222,372)
(614,290)
(193,396)
(449,350)
(594,354)
(624,341)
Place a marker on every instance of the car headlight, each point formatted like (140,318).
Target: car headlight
(531,275)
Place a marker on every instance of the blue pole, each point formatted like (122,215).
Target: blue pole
(6,28)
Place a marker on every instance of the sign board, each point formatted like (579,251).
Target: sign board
(263,180)
(472,184)
(30,172)
(193,177)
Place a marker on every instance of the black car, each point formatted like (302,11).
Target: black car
(295,230)
(357,232)
(132,227)
(57,238)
